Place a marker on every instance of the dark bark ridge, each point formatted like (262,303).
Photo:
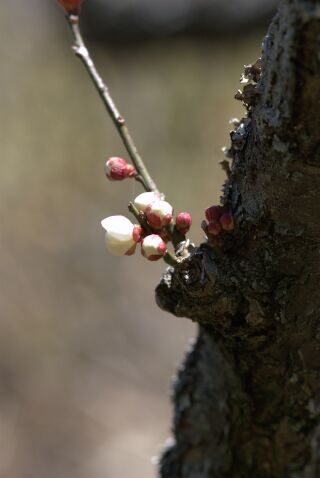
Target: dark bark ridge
(247,398)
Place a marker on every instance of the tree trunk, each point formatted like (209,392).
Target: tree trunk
(247,398)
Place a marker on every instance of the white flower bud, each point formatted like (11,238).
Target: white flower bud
(121,237)
(153,247)
(144,200)
(159,214)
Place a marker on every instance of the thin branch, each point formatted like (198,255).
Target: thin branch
(82,52)
(170,259)
(140,218)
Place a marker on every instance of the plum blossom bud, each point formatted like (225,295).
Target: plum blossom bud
(159,214)
(213,213)
(214,228)
(226,221)
(183,222)
(153,247)
(117,169)
(71,6)
(144,200)
(137,233)
(131,171)
(121,235)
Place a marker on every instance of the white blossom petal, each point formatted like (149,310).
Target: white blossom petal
(119,234)
(159,214)
(153,247)
(145,199)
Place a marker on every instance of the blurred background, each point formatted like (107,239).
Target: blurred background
(86,357)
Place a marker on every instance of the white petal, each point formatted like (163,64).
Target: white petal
(143,200)
(161,208)
(112,222)
(150,245)
(118,235)
(119,248)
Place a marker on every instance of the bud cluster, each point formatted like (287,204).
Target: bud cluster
(157,226)
(218,221)
(155,223)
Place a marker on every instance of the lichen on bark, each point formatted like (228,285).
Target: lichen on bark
(247,398)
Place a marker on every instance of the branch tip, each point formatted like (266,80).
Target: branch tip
(82,52)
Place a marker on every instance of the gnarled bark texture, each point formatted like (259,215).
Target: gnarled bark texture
(247,398)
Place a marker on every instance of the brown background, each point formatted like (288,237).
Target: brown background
(85,355)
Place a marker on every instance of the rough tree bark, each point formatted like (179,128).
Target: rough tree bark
(247,398)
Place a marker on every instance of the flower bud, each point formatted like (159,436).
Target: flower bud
(121,235)
(117,169)
(144,200)
(131,171)
(137,233)
(226,221)
(213,213)
(213,228)
(72,7)
(159,214)
(153,247)
(183,222)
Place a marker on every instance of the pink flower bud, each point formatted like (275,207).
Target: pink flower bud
(121,235)
(213,213)
(226,221)
(183,222)
(144,200)
(131,171)
(214,228)
(137,233)
(118,169)
(153,247)
(159,214)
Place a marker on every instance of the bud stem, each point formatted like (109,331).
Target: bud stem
(82,52)
(142,221)
(170,259)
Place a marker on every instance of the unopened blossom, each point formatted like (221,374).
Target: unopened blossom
(71,6)
(214,228)
(213,213)
(183,222)
(118,169)
(227,222)
(153,247)
(159,214)
(144,200)
(121,235)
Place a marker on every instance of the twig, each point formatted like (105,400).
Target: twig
(82,52)
(170,259)
(140,218)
